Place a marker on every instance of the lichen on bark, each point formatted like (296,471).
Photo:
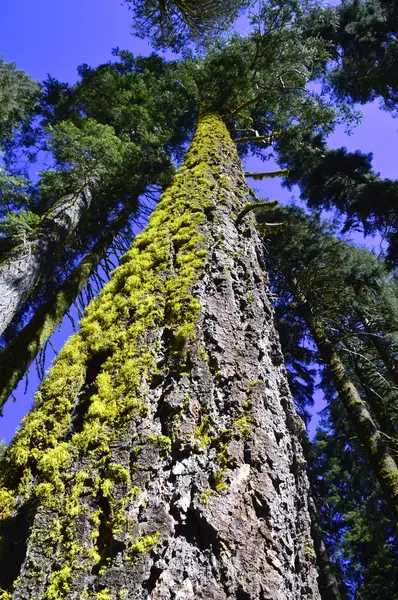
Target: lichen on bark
(161,459)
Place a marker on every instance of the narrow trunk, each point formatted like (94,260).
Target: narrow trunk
(162,459)
(380,345)
(23,265)
(380,460)
(377,403)
(17,357)
(327,581)
(386,357)
(328,586)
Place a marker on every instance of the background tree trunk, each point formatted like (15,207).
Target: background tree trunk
(327,580)
(381,461)
(18,355)
(162,459)
(22,267)
(386,355)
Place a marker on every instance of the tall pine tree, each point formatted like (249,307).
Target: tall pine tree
(114,150)
(162,455)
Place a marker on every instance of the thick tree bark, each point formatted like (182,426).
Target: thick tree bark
(380,459)
(22,267)
(18,355)
(162,458)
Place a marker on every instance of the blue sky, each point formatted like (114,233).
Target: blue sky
(47,36)
(54,37)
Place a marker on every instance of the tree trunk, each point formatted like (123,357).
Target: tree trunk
(377,404)
(381,345)
(327,581)
(382,463)
(162,458)
(328,586)
(18,355)
(23,265)
(386,356)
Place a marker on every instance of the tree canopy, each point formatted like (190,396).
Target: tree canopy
(18,96)
(173,23)
(362,38)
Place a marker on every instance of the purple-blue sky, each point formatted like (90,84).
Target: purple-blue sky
(47,36)
(55,37)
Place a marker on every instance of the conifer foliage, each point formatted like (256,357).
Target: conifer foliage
(362,36)
(106,155)
(173,23)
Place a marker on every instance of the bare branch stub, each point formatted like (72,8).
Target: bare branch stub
(267,175)
(268,205)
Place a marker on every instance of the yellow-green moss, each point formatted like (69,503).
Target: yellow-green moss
(245,425)
(144,543)
(222,462)
(203,355)
(185,405)
(309,549)
(118,510)
(248,405)
(298,422)
(95,519)
(162,441)
(6,504)
(72,503)
(103,595)
(59,584)
(241,427)
(106,486)
(254,382)
(183,335)
(150,291)
(217,483)
(206,495)
(117,472)
(202,432)
(50,536)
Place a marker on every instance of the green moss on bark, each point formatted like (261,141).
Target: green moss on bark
(149,293)
(143,544)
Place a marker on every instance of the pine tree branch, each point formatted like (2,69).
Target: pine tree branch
(269,205)
(281,88)
(254,138)
(267,175)
(253,194)
(245,105)
(366,359)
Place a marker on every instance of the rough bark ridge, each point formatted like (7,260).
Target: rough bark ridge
(162,460)
(23,265)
